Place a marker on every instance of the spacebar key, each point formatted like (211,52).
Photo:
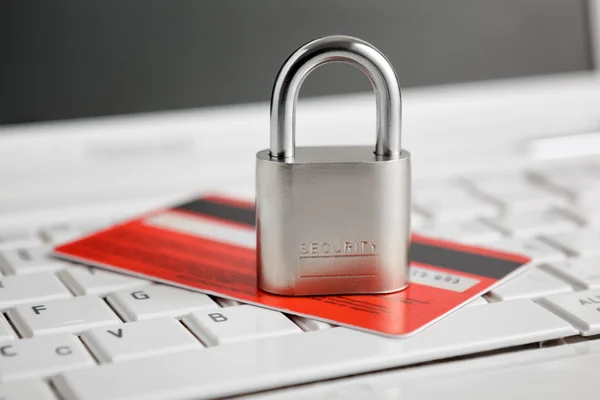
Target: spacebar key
(272,362)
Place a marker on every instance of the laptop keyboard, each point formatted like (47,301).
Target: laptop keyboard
(73,332)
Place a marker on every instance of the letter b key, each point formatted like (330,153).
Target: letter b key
(333,220)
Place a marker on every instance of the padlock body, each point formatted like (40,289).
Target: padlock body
(333,220)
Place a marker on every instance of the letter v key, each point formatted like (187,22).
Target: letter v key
(118,334)
(150,337)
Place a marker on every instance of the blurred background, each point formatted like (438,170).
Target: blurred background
(68,60)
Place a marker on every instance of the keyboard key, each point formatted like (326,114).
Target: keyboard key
(12,239)
(533,283)
(451,202)
(550,373)
(86,281)
(477,302)
(516,193)
(139,339)
(21,289)
(309,324)
(158,301)
(27,260)
(418,220)
(92,226)
(234,324)
(223,302)
(585,242)
(582,272)
(537,250)
(33,389)
(469,231)
(6,332)
(60,233)
(564,169)
(294,359)
(588,215)
(582,309)
(533,223)
(42,356)
(582,188)
(64,315)
(501,323)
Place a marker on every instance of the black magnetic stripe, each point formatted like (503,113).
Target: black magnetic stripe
(228,212)
(457,260)
(469,263)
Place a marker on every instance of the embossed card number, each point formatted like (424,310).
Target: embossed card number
(440,280)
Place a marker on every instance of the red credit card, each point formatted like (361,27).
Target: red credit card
(208,245)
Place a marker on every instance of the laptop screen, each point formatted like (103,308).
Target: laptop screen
(67,60)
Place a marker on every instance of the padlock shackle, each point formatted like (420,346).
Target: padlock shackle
(321,51)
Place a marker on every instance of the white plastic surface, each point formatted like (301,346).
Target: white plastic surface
(6,332)
(479,301)
(21,289)
(234,324)
(554,373)
(86,281)
(451,203)
(535,222)
(60,233)
(18,238)
(158,301)
(469,231)
(581,184)
(537,250)
(516,194)
(533,283)
(582,309)
(42,356)
(27,260)
(583,272)
(585,242)
(63,315)
(139,339)
(296,358)
(34,389)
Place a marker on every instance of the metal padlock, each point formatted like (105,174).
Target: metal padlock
(333,220)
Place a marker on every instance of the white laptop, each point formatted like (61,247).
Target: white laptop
(508,159)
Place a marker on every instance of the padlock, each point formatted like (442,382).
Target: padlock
(333,220)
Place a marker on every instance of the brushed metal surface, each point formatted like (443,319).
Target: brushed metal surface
(336,48)
(333,226)
(333,220)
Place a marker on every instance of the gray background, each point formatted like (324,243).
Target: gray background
(70,59)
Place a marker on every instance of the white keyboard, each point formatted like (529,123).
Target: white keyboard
(71,332)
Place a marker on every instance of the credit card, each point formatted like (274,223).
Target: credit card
(208,245)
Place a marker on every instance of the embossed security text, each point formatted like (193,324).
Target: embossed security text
(333,248)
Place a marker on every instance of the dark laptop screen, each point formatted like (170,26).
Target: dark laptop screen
(68,59)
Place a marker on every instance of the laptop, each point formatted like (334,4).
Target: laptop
(109,111)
